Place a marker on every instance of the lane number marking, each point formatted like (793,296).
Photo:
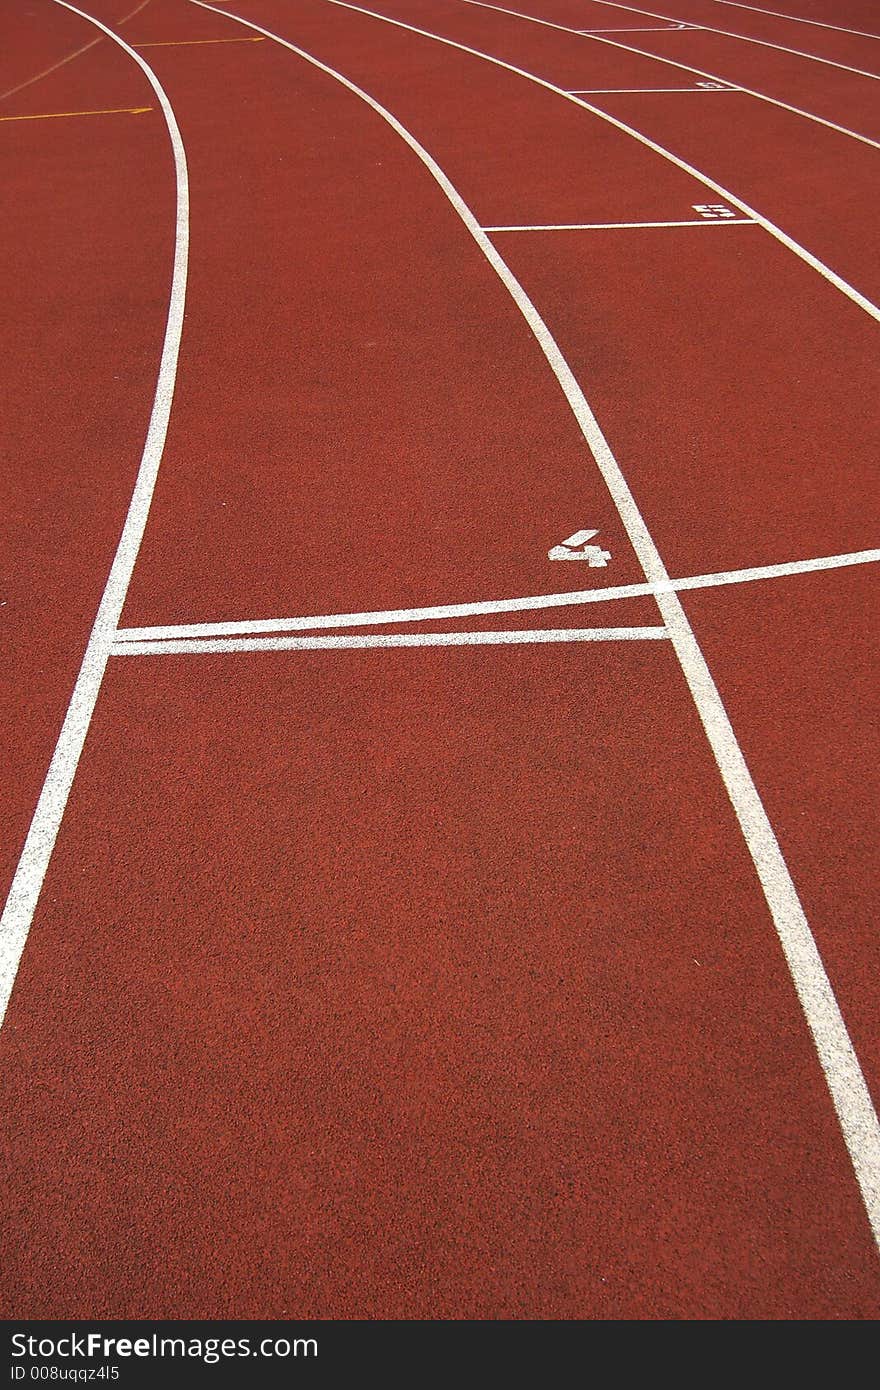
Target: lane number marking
(576,548)
(713,211)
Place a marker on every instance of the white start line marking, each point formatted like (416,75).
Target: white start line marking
(575,548)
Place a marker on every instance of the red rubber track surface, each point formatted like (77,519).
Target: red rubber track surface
(745,32)
(811,181)
(35,40)
(851,13)
(86,254)
(379,1036)
(434,983)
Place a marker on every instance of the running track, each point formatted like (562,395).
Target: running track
(504,959)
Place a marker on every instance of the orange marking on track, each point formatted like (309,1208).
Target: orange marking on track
(57,115)
(62,62)
(185,43)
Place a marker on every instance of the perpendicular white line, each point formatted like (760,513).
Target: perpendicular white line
(31,869)
(642,29)
(747,38)
(390,639)
(632,91)
(799,19)
(846,1085)
(485,607)
(789,242)
(682,67)
(611,226)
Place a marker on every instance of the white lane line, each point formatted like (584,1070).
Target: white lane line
(484,607)
(70,57)
(610,226)
(183,646)
(746,38)
(642,29)
(683,67)
(807,256)
(799,19)
(850,1096)
(625,91)
(31,870)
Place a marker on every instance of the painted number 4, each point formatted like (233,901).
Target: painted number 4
(575,548)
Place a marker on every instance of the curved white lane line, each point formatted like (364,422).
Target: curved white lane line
(685,67)
(70,56)
(799,19)
(849,1092)
(745,38)
(31,870)
(807,256)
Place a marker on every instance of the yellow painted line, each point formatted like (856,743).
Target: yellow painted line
(189,43)
(38,76)
(56,115)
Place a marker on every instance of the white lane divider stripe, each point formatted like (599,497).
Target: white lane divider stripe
(485,607)
(391,639)
(799,19)
(62,62)
(27,882)
(843,1075)
(746,38)
(794,246)
(682,67)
